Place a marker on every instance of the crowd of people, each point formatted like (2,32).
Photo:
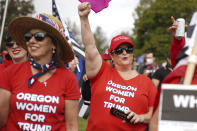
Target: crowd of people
(39,91)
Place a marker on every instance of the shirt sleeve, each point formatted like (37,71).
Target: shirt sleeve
(175,49)
(104,64)
(4,80)
(72,88)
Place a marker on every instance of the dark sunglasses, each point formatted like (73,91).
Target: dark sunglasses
(120,50)
(39,36)
(10,43)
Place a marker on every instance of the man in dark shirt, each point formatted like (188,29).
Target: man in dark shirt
(162,72)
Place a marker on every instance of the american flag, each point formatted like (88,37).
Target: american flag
(192,31)
(79,53)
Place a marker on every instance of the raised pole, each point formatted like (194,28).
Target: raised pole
(3,22)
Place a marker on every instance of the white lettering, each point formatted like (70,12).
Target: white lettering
(20,96)
(27,97)
(123,108)
(34,127)
(26,127)
(185,101)
(27,116)
(34,117)
(39,98)
(20,106)
(29,107)
(181,100)
(117,99)
(193,102)
(35,107)
(108,104)
(121,86)
(119,92)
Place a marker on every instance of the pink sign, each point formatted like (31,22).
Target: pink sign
(97,5)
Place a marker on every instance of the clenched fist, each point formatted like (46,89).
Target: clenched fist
(84,9)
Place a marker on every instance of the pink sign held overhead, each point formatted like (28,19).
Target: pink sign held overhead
(97,5)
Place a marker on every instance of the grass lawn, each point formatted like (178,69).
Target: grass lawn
(82,124)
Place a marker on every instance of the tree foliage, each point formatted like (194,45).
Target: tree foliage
(15,8)
(100,40)
(153,20)
(99,36)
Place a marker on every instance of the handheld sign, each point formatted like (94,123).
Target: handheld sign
(178,108)
(97,5)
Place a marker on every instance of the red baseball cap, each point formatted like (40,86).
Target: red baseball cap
(119,39)
(106,55)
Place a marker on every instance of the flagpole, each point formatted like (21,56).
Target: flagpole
(191,65)
(66,31)
(3,22)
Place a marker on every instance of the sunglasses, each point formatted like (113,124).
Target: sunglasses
(10,43)
(120,50)
(39,36)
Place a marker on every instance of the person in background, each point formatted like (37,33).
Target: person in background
(73,64)
(6,60)
(179,59)
(16,54)
(119,86)
(162,72)
(107,58)
(41,93)
(150,64)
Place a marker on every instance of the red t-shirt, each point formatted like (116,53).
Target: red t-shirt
(109,89)
(42,106)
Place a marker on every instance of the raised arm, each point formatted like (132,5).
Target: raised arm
(93,58)
(176,45)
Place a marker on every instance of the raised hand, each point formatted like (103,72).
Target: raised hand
(172,29)
(84,9)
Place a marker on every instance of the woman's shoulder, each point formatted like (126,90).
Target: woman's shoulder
(65,71)
(17,67)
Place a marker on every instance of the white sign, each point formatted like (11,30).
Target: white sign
(178,108)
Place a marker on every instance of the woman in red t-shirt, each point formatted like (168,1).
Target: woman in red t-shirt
(117,86)
(15,54)
(40,94)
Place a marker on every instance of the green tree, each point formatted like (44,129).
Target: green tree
(100,37)
(153,20)
(15,8)
(100,40)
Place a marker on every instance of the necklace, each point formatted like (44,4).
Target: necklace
(45,83)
